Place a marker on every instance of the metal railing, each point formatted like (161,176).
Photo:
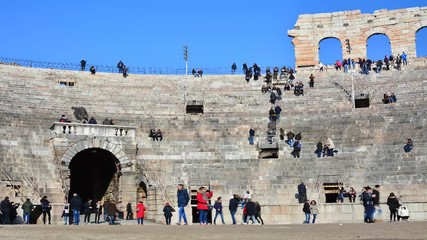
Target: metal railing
(157,182)
(113,68)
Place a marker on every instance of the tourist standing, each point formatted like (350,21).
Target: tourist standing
(376,199)
(129,213)
(82,64)
(27,206)
(167,212)
(183,199)
(203,197)
(6,208)
(140,212)
(393,205)
(98,212)
(368,203)
(76,207)
(319,149)
(46,207)
(313,210)
(87,210)
(111,210)
(311,82)
(258,213)
(306,210)
(232,206)
(66,213)
(251,136)
(250,211)
(218,210)
(302,193)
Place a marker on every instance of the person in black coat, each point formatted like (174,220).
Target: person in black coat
(129,215)
(46,207)
(167,210)
(232,206)
(258,213)
(87,210)
(6,208)
(393,205)
(250,211)
(76,207)
(307,211)
(319,149)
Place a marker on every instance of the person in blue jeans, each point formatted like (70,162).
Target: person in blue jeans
(306,210)
(218,210)
(76,207)
(251,136)
(183,199)
(232,206)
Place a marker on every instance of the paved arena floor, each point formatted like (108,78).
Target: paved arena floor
(377,231)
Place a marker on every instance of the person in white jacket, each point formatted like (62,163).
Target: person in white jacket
(330,145)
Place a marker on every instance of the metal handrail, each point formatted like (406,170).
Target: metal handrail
(113,69)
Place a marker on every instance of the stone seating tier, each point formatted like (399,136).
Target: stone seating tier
(213,148)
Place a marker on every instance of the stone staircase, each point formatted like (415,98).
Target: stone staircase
(213,147)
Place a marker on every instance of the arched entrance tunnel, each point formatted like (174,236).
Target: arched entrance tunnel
(91,172)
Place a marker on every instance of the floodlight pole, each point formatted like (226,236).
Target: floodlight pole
(186,59)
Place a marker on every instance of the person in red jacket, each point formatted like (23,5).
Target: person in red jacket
(203,197)
(140,212)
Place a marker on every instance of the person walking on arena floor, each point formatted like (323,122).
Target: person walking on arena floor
(140,212)
(306,210)
(76,207)
(203,197)
(46,207)
(167,212)
(27,207)
(232,206)
(218,210)
(313,210)
(183,199)
(393,205)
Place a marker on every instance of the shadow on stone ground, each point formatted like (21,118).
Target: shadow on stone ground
(377,231)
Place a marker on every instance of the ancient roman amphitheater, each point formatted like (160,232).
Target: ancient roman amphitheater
(205,123)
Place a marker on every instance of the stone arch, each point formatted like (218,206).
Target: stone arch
(418,43)
(381,47)
(326,37)
(121,156)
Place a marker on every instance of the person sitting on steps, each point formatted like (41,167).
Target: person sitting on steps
(408,146)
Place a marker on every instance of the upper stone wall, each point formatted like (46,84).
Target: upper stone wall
(399,25)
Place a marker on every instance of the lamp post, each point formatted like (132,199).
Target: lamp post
(186,59)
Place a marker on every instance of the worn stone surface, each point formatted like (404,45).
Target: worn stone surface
(212,149)
(395,231)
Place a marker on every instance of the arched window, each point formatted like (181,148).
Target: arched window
(378,45)
(421,39)
(330,50)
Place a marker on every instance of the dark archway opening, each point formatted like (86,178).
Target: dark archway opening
(378,46)
(91,172)
(330,50)
(421,38)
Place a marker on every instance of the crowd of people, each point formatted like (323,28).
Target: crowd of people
(122,68)
(367,65)
(109,211)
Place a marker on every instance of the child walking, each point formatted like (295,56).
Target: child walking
(65,214)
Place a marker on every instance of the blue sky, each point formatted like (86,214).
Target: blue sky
(152,33)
